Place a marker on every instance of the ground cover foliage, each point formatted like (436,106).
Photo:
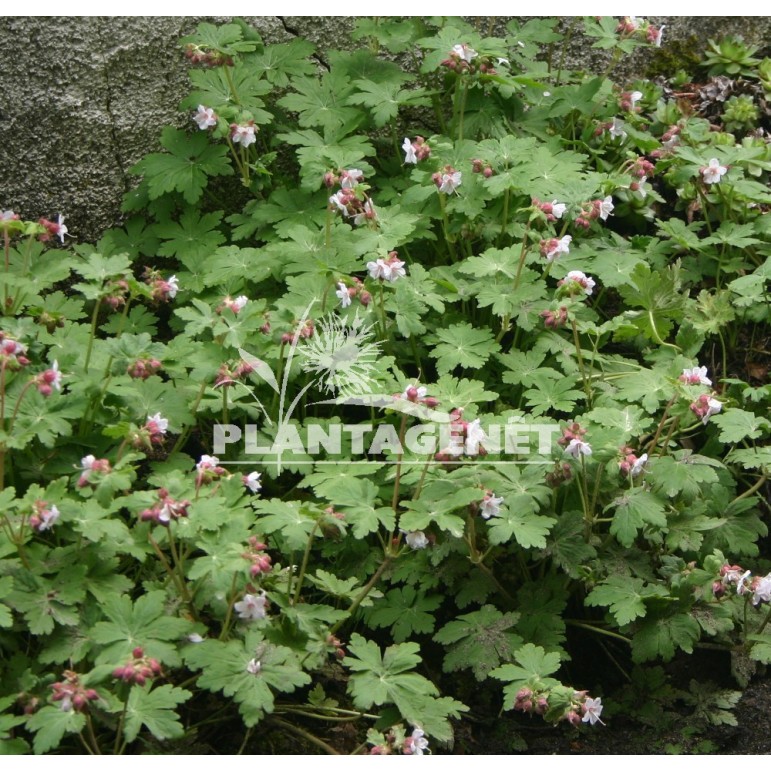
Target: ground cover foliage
(486,235)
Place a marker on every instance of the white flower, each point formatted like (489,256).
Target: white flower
(387,270)
(416,540)
(659,35)
(62,228)
(639,465)
(474,437)
(409,152)
(635,22)
(419,742)
(561,247)
(606,207)
(616,129)
(254,667)
(490,506)
(342,293)
(48,518)
(7,215)
(450,182)
(696,376)
(57,380)
(350,178)
(577,447)
(207,462)
(713,172)
(87,463)
(338,200)
(252,607)
(205,117)
(500,61)
(641,191)
(369,213)
(252,481)
(558,209)
(713,407)
(742,582)
(161,424)
(762,592)
(635,97)
(194,638)
(243,135)
(239,303)
(465,52)
(173,283)
(592,710)
(587,282)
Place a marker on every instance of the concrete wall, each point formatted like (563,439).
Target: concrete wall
(83,99)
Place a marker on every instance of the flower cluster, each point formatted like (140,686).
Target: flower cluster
(552,248)
(143,368)
(152,433)
(139,669)
(163,290)
(49,379)
(576,282)
(629,99)
(12,353)
(593,210)
(572,440)
(418,394)
(44,516)
(553,211)
(478,166)
(461,59)
(53,229)
(745,582)
(704,407)
(336,646)
(346,294)
(631,25)
(234,304)
(466,438)
(447,181)
(71,695)
(208,470)
(303,330)
(227,376)
(199,55)
(350,202)
(91,465)
(116,295)
(561,473)
(631,464)
(389,269)
(396,741)
(165,509)
(555,319)
(255,553)
(695,376)
(415,151)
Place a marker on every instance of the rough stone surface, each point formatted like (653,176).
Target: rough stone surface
(83,99)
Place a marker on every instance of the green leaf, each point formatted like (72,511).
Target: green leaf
(231,667)
(384,99)
(461,345)
(156,710)
(479,641)
(379,679)
(683,472)
(624,597)
(321,101)
(406,611)
(660,637)
(50,724)
(632,511)
(195,235)
(190,161)
(736,424)
(144,623)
